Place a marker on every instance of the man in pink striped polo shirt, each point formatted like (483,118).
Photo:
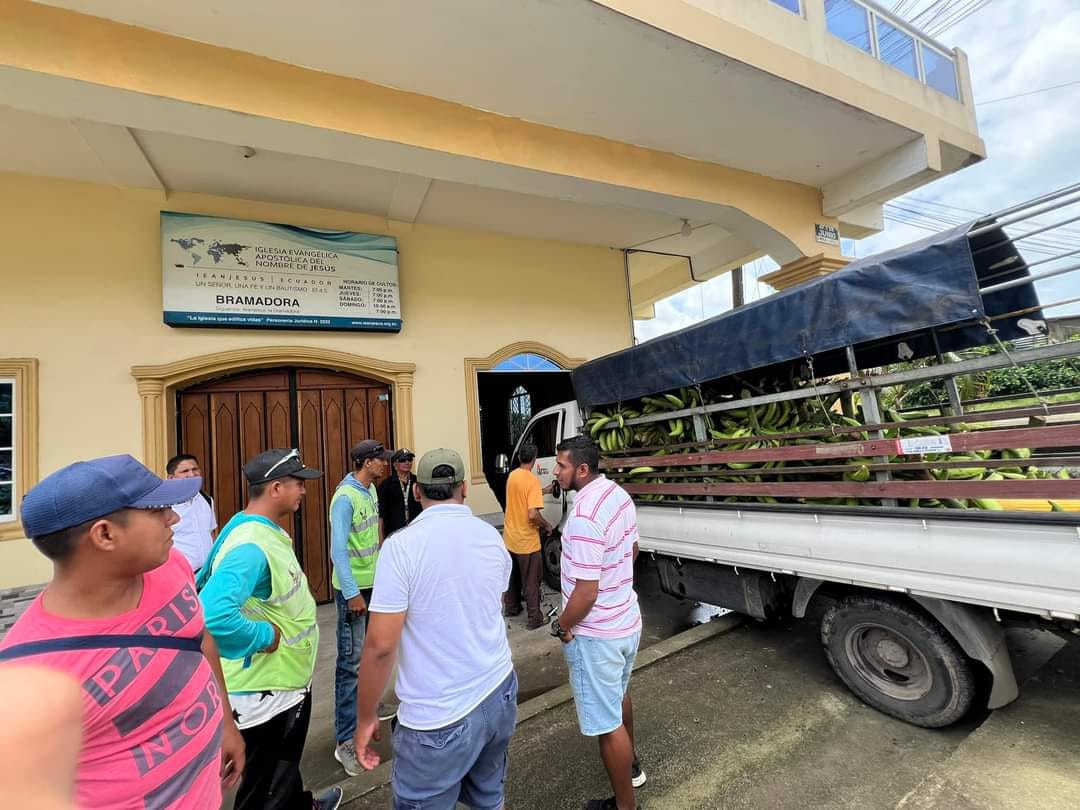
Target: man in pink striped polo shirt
(600,625)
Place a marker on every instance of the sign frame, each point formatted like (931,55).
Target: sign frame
(224,273)
(826,234)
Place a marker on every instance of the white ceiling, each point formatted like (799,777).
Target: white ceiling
(38,144)
(206,167)
(572,64)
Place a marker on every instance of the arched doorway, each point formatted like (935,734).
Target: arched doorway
(509,394)
(323,413)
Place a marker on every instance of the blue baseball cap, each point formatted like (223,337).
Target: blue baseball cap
(92,489)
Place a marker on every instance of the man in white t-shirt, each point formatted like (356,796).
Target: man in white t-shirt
(437,605)
(600,625)
(194,534)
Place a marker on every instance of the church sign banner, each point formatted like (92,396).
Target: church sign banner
(235,273)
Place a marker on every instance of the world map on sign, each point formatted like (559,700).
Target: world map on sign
(216,250)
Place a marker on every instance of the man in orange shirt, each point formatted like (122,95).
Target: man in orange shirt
(521,533)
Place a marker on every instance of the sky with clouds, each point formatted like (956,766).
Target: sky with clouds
(1032,142)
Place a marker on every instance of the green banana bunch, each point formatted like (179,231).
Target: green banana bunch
(750,428)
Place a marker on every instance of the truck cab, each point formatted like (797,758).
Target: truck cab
(546,429)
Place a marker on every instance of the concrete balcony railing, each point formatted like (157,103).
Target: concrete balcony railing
(876,31)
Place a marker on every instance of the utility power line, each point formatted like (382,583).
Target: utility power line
(930,215)
(940,15)
(957,16)
(1028,93)
(1061,232)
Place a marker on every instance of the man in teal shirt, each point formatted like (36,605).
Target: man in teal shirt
(355,537)
(259,608)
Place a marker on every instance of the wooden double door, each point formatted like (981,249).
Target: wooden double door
(227,421)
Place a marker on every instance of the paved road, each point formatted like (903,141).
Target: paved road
(756,719)
(537,659)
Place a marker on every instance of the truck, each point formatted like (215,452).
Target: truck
(878,521)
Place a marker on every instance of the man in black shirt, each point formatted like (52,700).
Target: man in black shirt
(397,504)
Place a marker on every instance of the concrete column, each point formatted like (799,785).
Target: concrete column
(152,394)
(803,270)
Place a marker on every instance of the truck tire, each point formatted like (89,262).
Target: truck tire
(551,552)
(898,660)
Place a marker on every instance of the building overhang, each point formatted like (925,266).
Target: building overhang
(742,84)
(615,132)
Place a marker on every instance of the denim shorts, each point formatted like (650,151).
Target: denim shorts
(462,762)
(599,676)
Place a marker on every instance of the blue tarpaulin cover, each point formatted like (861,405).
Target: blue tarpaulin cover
(886,306)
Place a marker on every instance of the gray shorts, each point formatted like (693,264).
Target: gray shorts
(463,762)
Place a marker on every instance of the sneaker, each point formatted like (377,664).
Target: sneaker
(328,799)
(386,711)
(601,804)
(346,755)
(637,776)
(535,624)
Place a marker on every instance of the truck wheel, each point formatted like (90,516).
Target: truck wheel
(551,551)
(898,660)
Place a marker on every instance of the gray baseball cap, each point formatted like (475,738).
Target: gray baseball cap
(433,459)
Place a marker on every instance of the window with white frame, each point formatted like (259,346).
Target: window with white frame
(887,38)
(794,6)
(940,71)
(849,21)
(896,48)
(7,450)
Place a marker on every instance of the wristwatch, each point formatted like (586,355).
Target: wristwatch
(557,630)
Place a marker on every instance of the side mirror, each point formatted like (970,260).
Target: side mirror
(556,490)
(502,463)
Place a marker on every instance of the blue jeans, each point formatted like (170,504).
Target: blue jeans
(463,762)
(351,629)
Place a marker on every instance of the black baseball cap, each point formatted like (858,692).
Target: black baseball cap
(369,448)
(404,454)
(277,463)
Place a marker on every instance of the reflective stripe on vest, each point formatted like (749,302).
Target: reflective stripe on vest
(290,607)
(302,635)
(364,525)
(285,597)
(363,540)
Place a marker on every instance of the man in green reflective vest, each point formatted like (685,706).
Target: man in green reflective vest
(260,610)
(355,537)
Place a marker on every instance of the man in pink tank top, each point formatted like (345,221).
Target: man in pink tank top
(121,616)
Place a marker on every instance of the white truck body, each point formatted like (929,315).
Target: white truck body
(967,569)
(1009,564)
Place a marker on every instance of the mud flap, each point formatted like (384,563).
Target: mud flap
(981,638)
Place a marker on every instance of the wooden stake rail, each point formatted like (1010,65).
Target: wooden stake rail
(903,466)
(974,417)
(1009,438)
(1050,489)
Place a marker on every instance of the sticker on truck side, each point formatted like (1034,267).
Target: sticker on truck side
(920,445)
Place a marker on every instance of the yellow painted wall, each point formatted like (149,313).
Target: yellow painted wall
(82,293)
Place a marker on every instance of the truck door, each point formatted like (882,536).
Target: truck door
(544,432)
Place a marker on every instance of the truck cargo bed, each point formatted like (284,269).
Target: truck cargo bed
(1023,563)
